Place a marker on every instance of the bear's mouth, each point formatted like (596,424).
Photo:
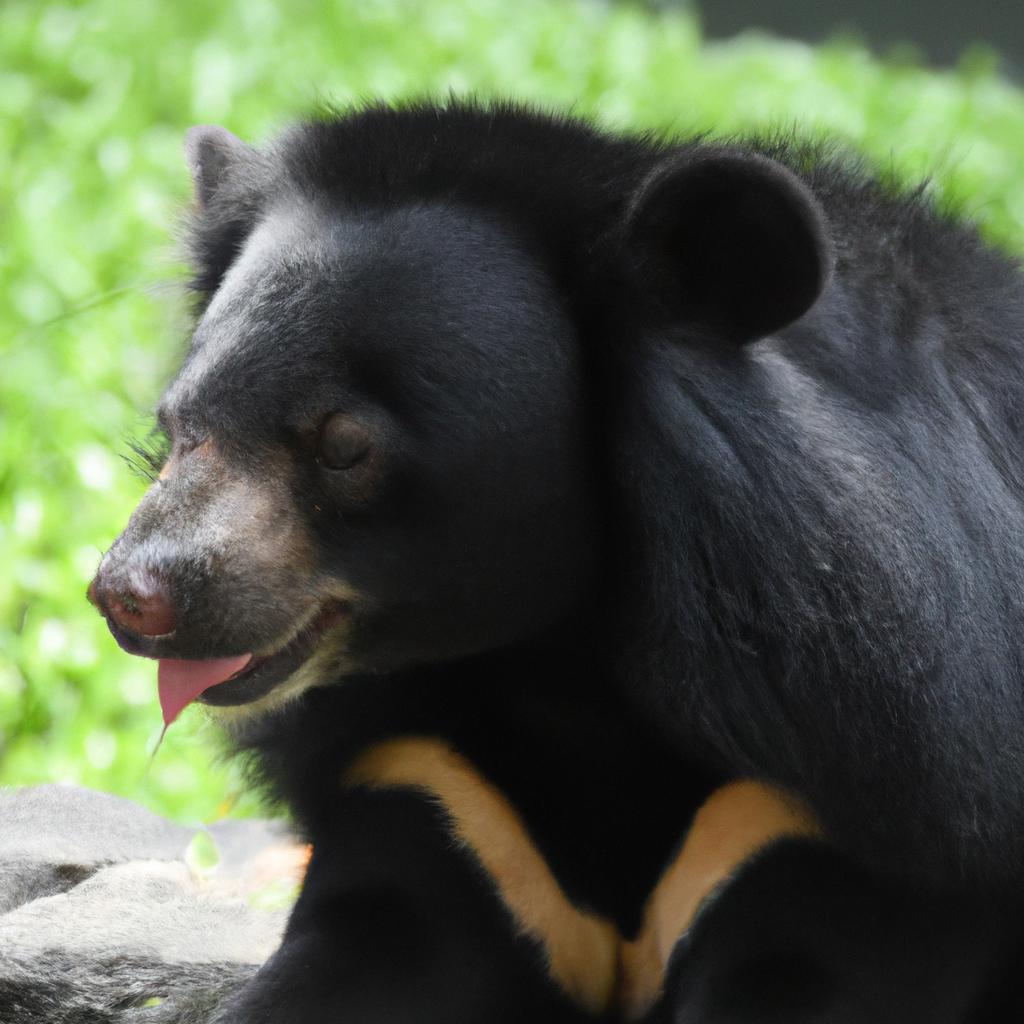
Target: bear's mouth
(242,679)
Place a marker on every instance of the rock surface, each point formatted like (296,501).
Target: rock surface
(111,915)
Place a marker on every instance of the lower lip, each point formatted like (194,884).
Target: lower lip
(262,674)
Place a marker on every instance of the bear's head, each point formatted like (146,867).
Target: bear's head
(387,440)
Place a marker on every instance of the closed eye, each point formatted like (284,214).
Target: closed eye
(343,442)
(148,455)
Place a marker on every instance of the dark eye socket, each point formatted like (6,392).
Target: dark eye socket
(343,442)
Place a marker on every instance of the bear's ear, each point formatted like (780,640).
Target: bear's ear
(211,151)
(730,242)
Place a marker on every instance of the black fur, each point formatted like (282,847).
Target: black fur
(815,538)
(801,936)
(692,461)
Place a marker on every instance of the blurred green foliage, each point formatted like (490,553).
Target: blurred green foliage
(94,98)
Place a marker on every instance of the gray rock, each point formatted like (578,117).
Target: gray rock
(106,919)
(53,837)
(82,826)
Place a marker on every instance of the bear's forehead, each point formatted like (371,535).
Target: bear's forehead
(289,240)
(302,257)
(436,289)
(292,288)
(288,246)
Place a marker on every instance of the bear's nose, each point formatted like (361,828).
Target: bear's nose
(143,608)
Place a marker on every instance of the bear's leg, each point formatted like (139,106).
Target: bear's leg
(425,901)
(759,921)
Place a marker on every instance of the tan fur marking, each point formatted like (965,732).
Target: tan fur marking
(581,948)
(736,821)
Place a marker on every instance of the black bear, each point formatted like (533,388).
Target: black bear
(529,488)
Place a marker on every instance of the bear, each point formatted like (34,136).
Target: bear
(535,494)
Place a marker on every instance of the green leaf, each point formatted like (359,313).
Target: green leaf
(202,855)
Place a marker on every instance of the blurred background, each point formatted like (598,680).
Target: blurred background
(937,31)
(94,99)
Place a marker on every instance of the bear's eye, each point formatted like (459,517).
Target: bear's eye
(343,442)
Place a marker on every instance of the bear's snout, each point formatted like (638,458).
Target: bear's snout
(214,561)
(143,606)
(139,605)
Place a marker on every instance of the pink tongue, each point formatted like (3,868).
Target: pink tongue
(180,682)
